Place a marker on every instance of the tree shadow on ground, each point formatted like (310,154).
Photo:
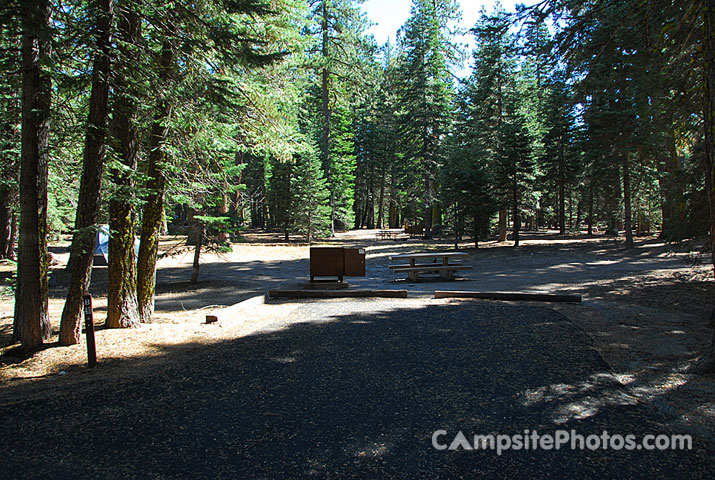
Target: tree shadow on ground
(354,395)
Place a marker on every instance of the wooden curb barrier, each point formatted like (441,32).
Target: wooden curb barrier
(337,293)
(513,296)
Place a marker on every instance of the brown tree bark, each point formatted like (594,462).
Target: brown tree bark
(381,202)
(515,210)
(191,233)
(8,187)
(325,110)
(223,210)
(13,237)
(237,202)
(370,209)
(82,250)
(122,308)
(154,206)
(706,364)
(590,211)
(709,114)
(670,198)
(475,232)
(31,324)
(627,200)
(199,229)
(8,199)
(502,224)
(562,189)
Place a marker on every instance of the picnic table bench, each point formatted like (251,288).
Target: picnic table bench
(390,234)
(444,268)
(415,230)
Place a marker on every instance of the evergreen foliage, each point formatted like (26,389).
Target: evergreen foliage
(310,212)
(284,115)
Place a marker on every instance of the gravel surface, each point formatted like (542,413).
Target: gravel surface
(352,389)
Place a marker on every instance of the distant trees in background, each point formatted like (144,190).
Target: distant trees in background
(213,116)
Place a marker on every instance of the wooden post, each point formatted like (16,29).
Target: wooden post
(89,331)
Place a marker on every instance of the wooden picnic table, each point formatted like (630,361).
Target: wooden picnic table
(389,234)
(445,268)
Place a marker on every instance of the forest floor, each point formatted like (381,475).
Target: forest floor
(648,310)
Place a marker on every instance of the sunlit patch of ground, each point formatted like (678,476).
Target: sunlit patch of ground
(648,349)
(647,309)
(146,345)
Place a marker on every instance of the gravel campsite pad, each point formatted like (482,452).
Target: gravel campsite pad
(352,389)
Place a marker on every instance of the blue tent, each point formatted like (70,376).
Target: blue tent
(101,245)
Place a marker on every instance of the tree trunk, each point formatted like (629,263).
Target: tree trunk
(436,217)
(370,211)
(502,224)
(325,106)
(8,187)
(13,238)
(9,169)
(365,210)
(590,211)
(381,203)
(706,364)
(670,198)
(357,208)
(627,201)
(709,115)
(154,207)
(516,224)
(562,189)
(476,232)
(31,324)
(570,222)
(7,198)
(82,251)
(515,213)
(199,228)
(122,308)
(223,211)
(429,206)
(237,204)
(191,233)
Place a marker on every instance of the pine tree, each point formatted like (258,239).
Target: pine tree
(232,35)
(487,90)
(425,95)
(31,324)
(338,26)
(514,167)
(10,111)
(559,159)
(122,306)
(153,209)
(467,182)
(310,210)
(280,195)
(342,168)
(467,187)
(82,250)
(377,184)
